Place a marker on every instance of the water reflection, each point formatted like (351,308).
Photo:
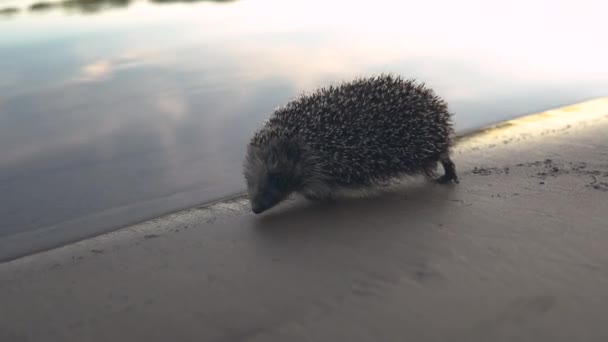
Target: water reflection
(106,120)
(90,6)
(8,11)
(41,6)
(84,6)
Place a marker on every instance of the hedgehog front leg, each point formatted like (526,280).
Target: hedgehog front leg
(450,170)
(319,192)
(317,197)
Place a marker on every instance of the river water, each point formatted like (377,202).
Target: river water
(112,112)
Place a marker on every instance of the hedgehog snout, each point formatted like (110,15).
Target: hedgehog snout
(257,208)
(266,197)
(261,203)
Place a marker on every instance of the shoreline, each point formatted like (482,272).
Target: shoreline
(27,243)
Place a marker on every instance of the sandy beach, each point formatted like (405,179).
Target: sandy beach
(518,251)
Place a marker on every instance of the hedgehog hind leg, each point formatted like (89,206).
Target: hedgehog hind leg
(449,168)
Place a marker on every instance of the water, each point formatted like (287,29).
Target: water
(117,111)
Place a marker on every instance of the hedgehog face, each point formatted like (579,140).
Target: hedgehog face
(271,174)
(268,190)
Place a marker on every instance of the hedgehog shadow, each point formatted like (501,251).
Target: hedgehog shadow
(413,201)
(378,239)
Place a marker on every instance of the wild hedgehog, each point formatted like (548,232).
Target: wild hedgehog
(353,135)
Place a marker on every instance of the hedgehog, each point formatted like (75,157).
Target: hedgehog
(350,135)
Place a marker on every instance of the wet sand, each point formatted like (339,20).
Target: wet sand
(518,251)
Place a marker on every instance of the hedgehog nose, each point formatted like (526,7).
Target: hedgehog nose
(257,209)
